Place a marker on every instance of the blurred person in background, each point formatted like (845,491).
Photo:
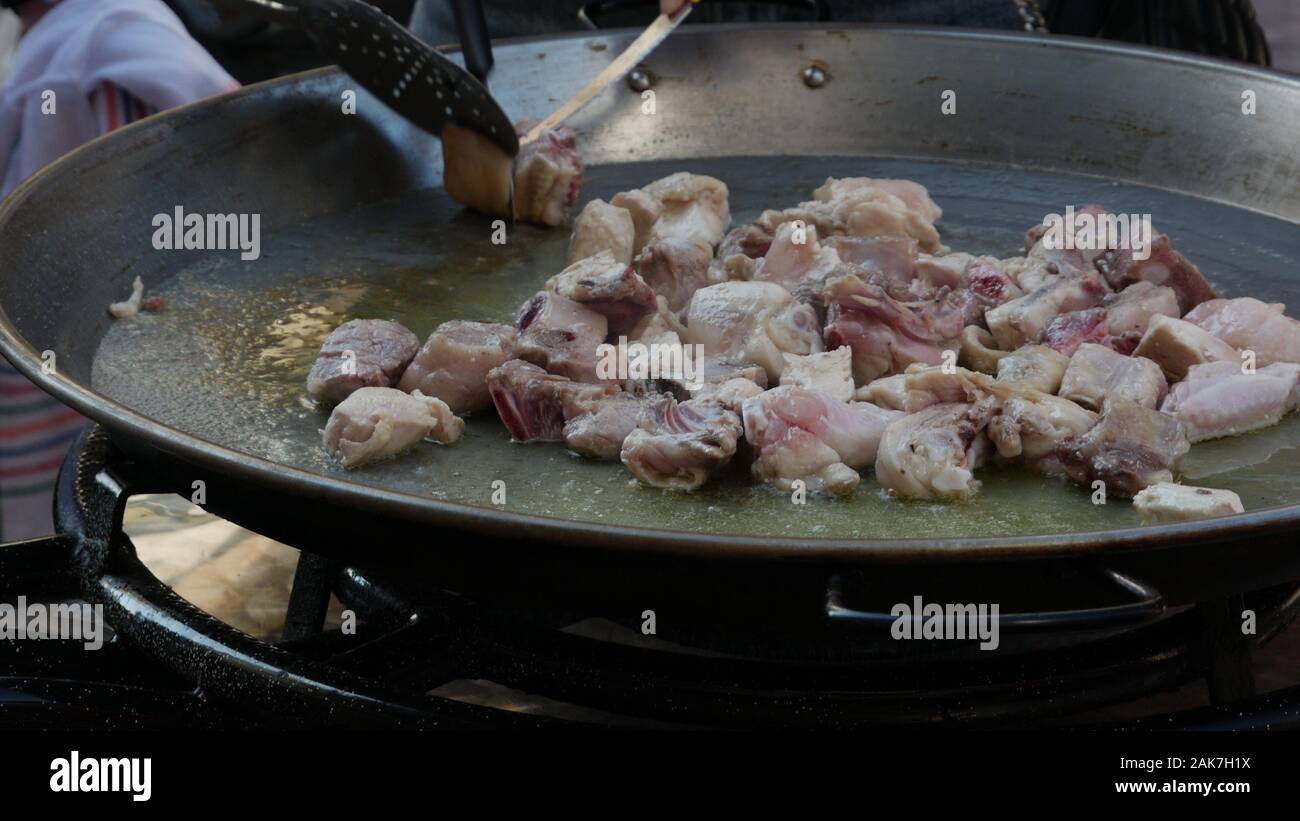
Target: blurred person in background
(80,69)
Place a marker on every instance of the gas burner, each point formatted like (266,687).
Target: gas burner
(423,656)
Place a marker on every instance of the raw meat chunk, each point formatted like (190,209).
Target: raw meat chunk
(454,362)
(361,353)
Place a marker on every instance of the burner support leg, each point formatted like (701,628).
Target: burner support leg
(1230,676)
(313,582)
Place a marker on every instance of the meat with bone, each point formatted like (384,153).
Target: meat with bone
(860,206)
(830,372)
(684,206)
(1164,266)
(602,227)
(1248,324)
(1029,426)
(560,335)
(935,452)
(454,362)
(1130,448)
(1176,345)
(608,287)
(675,269)
(887,335)
(751,322)
(376,423)
(978,283)
(1217,399)
(1118,323)
(680,445)
(1033,367)
(548,176)
(534,405)
(360,353)
(721,380)
(1098,375)
(798,262)
(1022,321)
(802,434)
(598,433)
(1167,502)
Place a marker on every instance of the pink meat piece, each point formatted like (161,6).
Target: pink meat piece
(1248,324)
(805,434)
(1164,266)
(680,445)
(548,176)
(887,335)
(454,362)
(1219,399)
(675,269)
(608,287)
(360,353)
(560,335)
(534,404)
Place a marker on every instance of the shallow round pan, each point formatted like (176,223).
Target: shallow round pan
(354,225)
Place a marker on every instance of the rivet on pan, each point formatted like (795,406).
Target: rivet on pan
(640,79)
(816,75)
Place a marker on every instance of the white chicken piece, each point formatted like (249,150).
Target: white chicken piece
(802,434)
(886,392)
(454,363)
(861,206)
(752,322)
(1176,345)
(376,423)
(1217,399)
(830,372)
(1028,427)
(547,176)
(644,210)
(1167,502)
(679,445)
(730,393)
(798,262)
(934,453)
(560,335)
(682,206)
(1248,324)
(1033,367)
(130,306)
(675,269)
(1022,321)
(602,227)
(608,287)
(1097,375)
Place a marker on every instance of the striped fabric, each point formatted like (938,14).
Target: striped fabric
(35,430)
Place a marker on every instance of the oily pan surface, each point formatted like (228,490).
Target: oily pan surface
(227,360)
